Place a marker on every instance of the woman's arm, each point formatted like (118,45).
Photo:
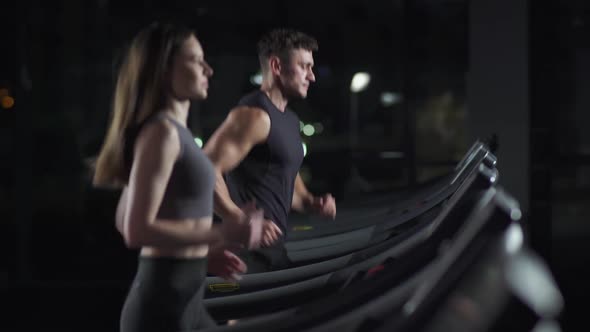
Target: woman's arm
(120,214)
(156,150)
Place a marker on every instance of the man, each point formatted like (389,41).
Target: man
(258,149)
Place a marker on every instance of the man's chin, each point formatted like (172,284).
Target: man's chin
(297,94)
(202,95)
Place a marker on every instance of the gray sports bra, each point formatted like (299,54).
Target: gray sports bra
(189,192)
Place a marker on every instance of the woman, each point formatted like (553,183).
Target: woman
(166,205)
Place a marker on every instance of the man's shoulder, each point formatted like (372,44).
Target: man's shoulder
(253,98)
(250,121)
(248,113)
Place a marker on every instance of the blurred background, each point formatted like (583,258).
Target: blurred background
(438,74)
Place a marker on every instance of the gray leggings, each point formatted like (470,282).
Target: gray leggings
(167,296)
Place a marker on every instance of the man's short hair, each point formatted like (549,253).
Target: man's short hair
(280,41)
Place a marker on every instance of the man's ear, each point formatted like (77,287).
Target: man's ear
(275,65)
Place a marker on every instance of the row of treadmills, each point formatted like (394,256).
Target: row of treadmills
(450,256)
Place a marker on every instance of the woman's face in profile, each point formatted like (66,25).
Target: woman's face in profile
(190,72)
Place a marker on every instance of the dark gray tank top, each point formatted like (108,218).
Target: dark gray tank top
(189,192)
(267,174)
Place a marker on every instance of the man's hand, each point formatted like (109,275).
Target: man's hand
(252,230)
(270,233)
(324,205)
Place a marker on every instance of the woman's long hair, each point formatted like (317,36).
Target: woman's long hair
(139,94)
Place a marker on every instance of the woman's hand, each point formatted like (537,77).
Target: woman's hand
(225,264)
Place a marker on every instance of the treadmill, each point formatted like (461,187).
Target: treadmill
(217,287)
(382,303)
(402,256)
(330,254)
